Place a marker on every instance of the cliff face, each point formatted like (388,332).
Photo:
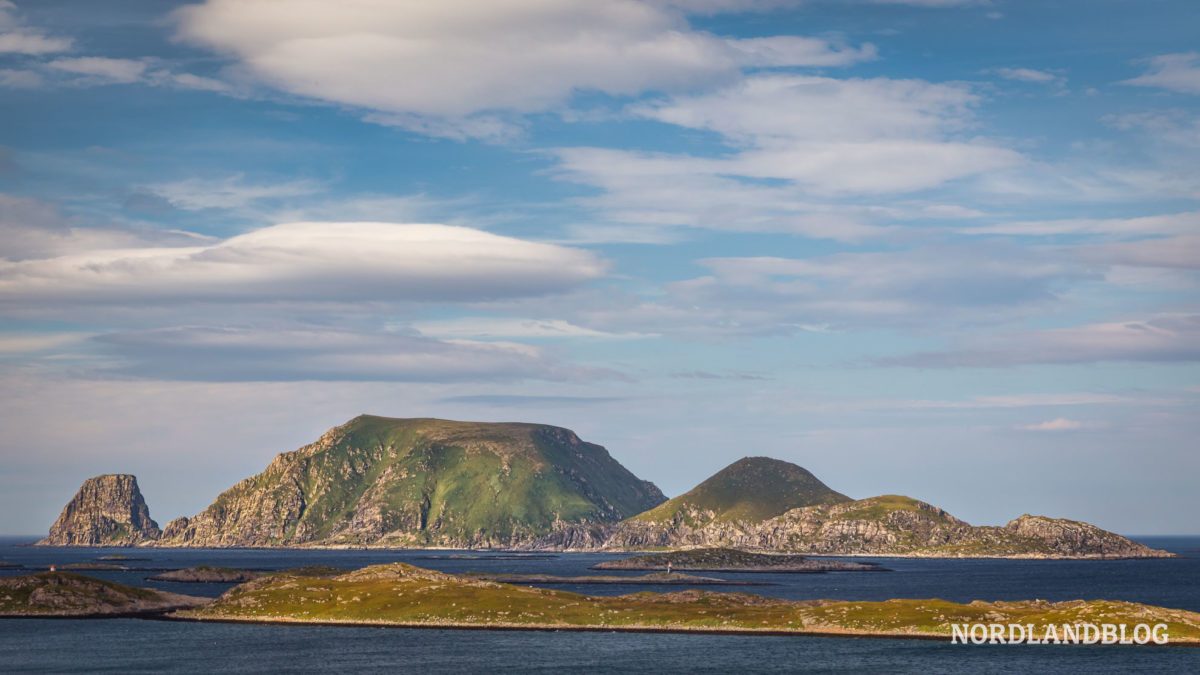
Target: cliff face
(107,511)
(422,482)
(885,525)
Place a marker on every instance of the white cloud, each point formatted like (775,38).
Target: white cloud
(17,38)
(459,67)
(1175,72)
(765,109)
(795,141)
(789,50)
(24,343)
(940,286)
(309,261)
(653,191)
(1160,240)
(490,328)
(101,69)
(20,79)
(1182,252)
(32,229)
(254,354)
(1168,338)
(927,285)
(198,83)
(1056,424)
(1028,75)
(194,194)
(1158,224)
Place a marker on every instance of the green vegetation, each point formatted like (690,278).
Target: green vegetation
(751,489)
(377,480)
(400,594)
(877,508)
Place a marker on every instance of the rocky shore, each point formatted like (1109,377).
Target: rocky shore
(63,594)
(732,560)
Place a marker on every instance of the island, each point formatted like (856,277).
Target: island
(733,560)
(654,578)
(63,594)
(204,574)
(403,595)
(415,483)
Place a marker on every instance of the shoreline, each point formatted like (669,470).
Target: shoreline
(367,547)
(554,628)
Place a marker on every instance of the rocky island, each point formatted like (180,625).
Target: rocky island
(429,483)
(108,510)
(63,594)
(421,482)
(406,596)
(733,560)
(204,574)
(652,579)
(763,504)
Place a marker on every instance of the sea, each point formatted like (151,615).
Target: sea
(156,646)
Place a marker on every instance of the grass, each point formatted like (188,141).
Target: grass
(427,481)
(400,594)
(751,489)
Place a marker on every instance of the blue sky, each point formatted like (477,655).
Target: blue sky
(941,248)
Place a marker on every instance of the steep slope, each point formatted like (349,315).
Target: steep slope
(108,510)
(750,490)
(421,482)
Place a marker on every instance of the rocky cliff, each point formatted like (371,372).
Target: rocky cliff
(422,482)
(836,525)
(107,511)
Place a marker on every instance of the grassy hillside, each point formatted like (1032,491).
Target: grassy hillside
(750,489)
(423,482)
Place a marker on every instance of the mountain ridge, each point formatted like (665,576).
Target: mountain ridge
(427,482)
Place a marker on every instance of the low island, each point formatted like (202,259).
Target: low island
(733,560)
(402,595)
(653,579)
(204,574)
(63,594)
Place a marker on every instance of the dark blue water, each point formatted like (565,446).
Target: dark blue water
(130,645)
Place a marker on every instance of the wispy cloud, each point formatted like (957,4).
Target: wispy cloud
(1030,75)
(1055,425)
(16,37)
(1171,338)
(292,354)
(498,327)
(1174,72)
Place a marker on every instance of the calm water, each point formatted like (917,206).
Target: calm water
(130,645)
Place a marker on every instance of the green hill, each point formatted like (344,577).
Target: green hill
(421,482)
(751,489)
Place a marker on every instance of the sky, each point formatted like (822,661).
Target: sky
(941,248)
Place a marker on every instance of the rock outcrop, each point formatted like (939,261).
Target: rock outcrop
(422,482)
(108,510)
(63,594)
(832,524)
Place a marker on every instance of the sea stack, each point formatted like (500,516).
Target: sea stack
(108,510)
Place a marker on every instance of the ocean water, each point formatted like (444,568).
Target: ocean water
(136,645)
